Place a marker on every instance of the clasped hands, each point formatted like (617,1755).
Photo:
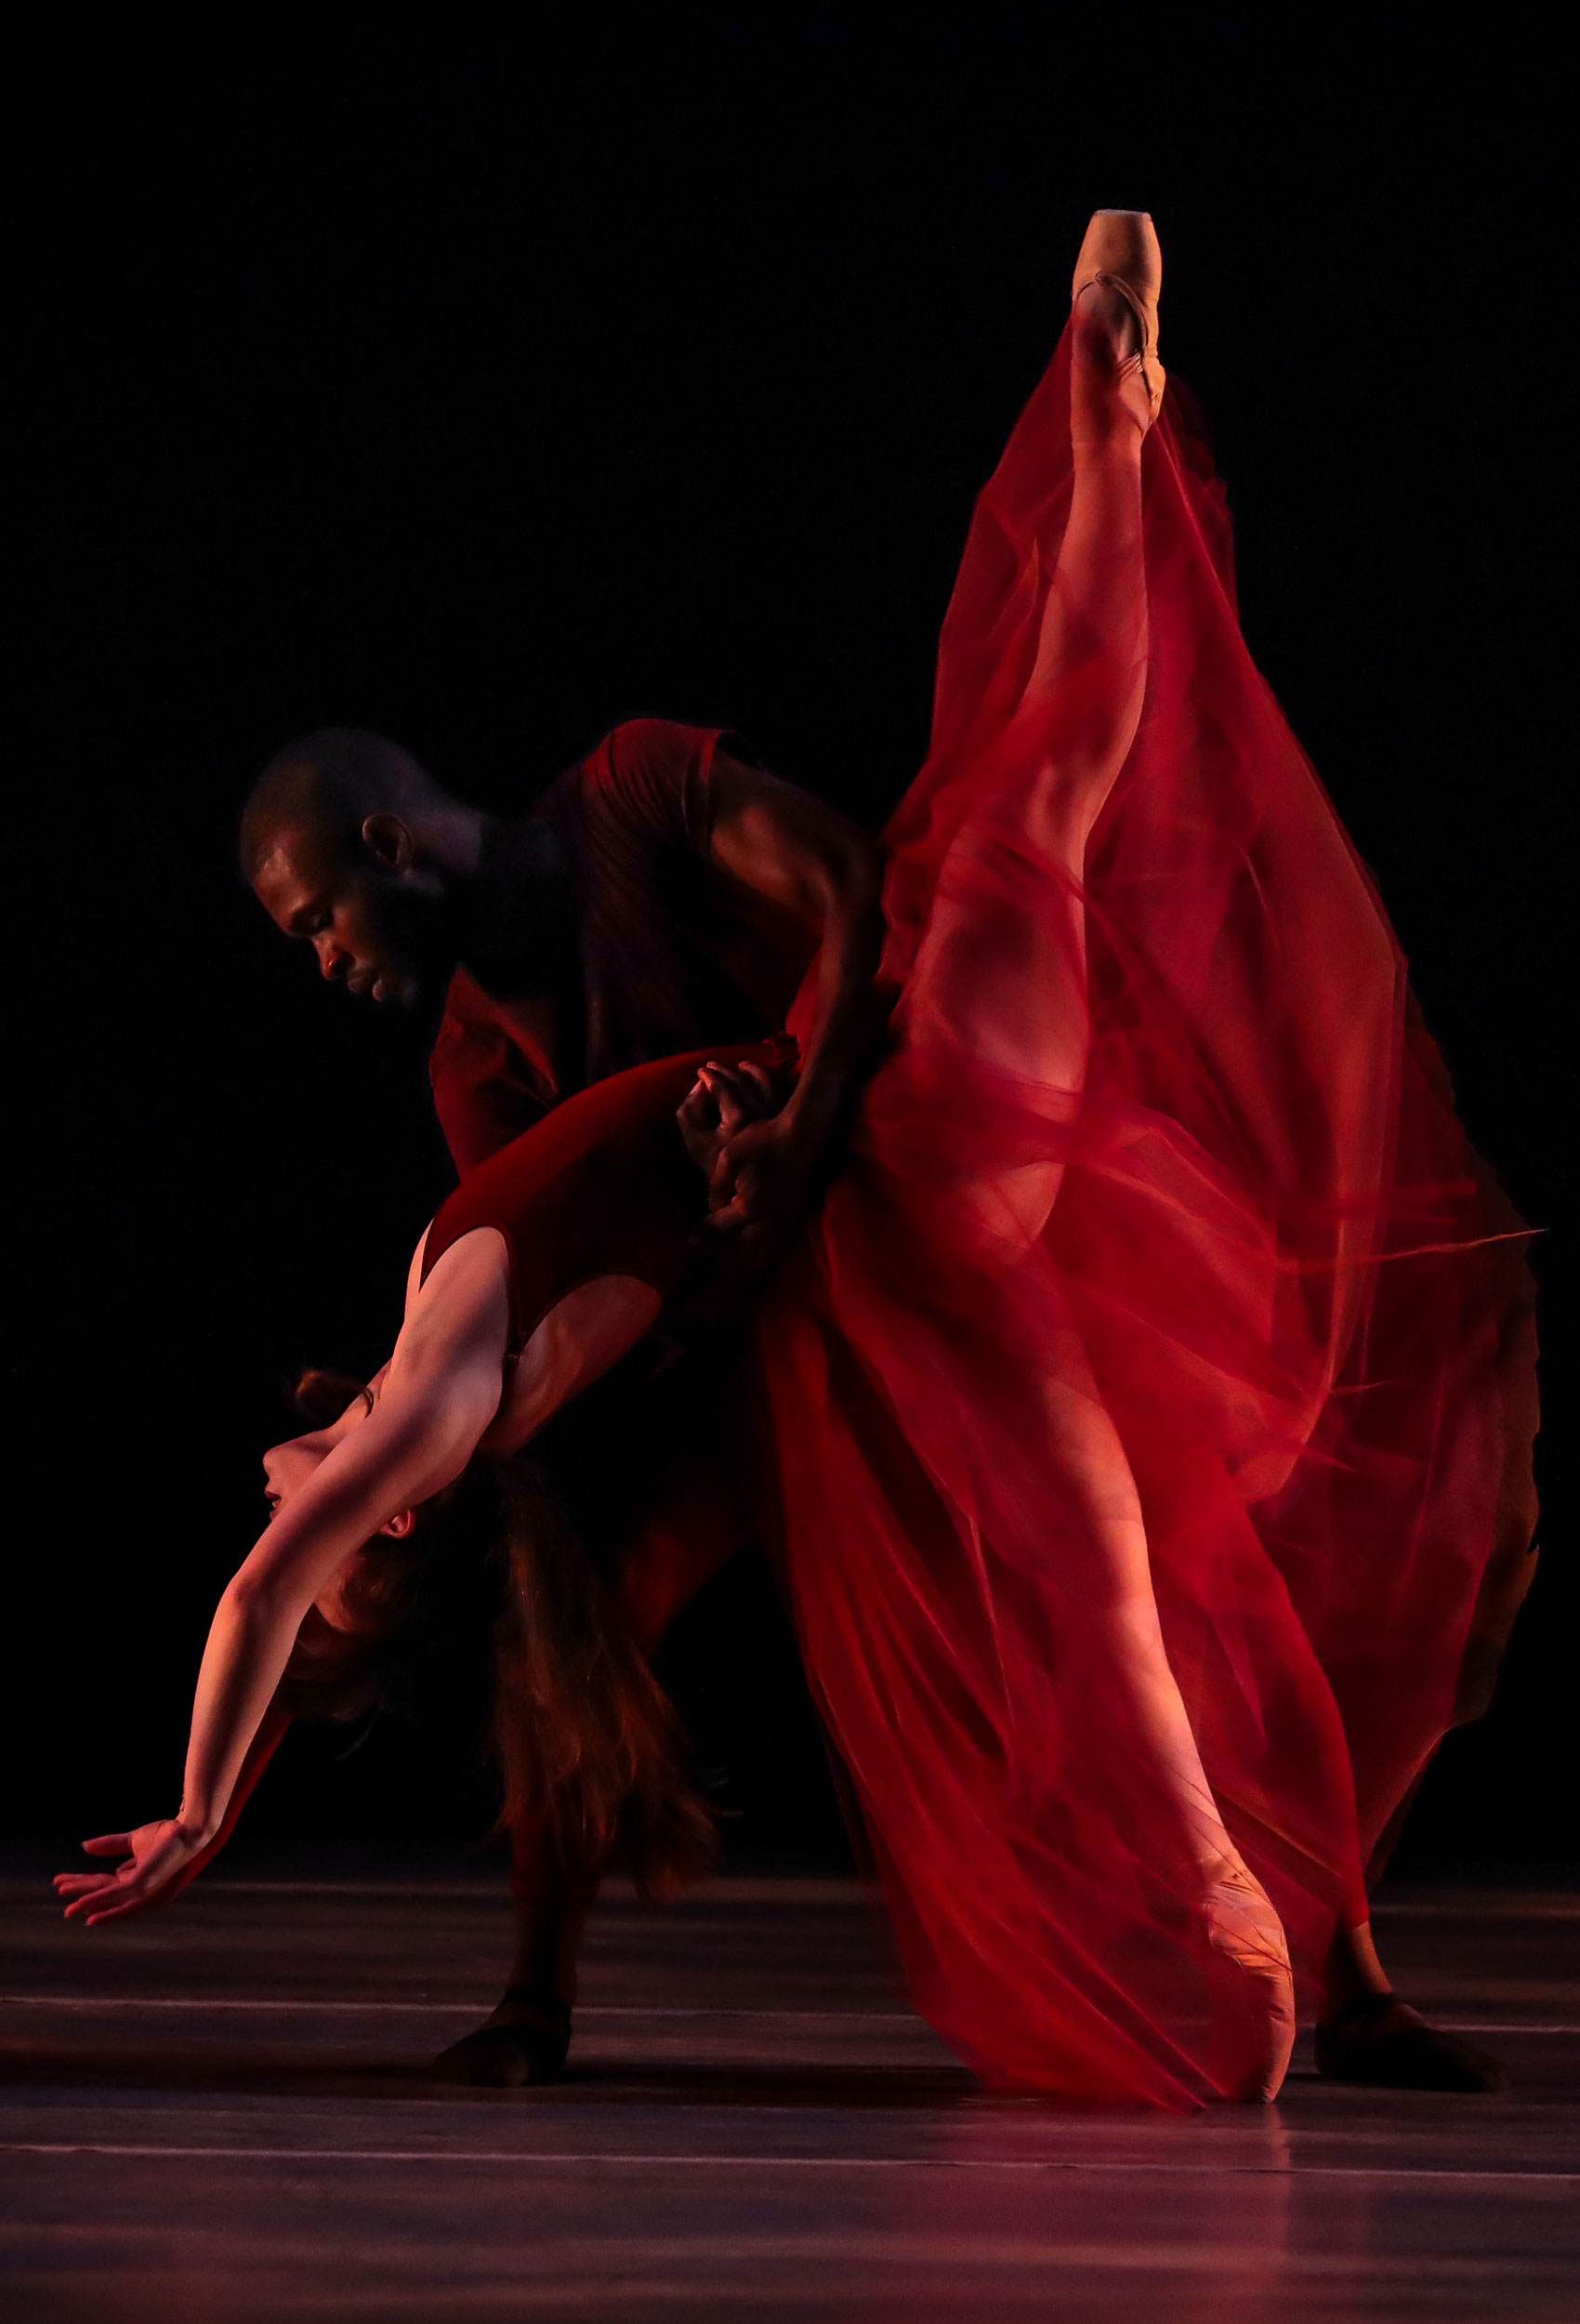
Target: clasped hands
(741,1131)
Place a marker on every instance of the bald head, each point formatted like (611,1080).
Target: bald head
(347,844)
(322,788)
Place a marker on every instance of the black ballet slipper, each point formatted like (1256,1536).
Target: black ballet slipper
(514,2052)
(1357,2045)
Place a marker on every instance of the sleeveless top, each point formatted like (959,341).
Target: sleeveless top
(602,1185)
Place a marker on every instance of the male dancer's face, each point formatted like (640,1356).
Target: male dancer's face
(376,928)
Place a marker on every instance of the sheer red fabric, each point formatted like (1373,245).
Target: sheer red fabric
(1271,1257)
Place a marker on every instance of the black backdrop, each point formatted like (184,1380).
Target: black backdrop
(488,390)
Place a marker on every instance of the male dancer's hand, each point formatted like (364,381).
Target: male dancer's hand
(720,1100)
(734,1128)
(763,1185)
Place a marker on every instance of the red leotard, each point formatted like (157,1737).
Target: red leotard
(602,1186)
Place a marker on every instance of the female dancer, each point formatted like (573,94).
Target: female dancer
(1146,1392)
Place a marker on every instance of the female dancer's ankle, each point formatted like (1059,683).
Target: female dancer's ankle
(1106,422)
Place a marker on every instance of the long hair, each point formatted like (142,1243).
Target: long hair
(586,1742)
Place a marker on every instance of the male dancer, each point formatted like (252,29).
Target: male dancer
(664,892)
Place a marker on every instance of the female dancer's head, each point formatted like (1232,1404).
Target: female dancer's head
(584,1738)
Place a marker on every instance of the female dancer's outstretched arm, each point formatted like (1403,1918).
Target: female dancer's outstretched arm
(442,1397)
(438,1401)
(442,1389)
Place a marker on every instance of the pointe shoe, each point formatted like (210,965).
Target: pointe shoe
(1254,1990)
(1120,253)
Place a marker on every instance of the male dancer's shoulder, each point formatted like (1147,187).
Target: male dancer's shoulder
(654,775)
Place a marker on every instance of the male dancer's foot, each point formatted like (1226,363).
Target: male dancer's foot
(1368,2035)
(521,2045)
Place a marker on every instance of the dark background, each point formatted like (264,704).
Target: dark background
(488,390)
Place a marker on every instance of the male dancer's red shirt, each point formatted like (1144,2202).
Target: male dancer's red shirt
(675,951)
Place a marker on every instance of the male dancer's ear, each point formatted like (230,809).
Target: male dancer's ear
(390,841)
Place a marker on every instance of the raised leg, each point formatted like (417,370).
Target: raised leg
(1004,968)
(1004,959)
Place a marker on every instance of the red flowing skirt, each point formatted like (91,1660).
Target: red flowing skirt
(1271,1254)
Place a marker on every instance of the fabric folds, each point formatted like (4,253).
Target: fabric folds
(1272,1256)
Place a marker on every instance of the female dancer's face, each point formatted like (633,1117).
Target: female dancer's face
(287,1467)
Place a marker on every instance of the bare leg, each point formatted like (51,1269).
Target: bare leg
(1095,620)
(1095,641)
(1095,632)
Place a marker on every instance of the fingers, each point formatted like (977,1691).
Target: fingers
(697,1116)
(85,1910)
(730,1218)
(110,1844)
(142,1900)
(151,1857)
(112,1896)
(82,1883)
(729,1098)
(724,1099)
(745,1093)
(768,1088)
(93,1901)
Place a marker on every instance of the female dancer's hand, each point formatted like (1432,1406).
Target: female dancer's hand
(738,1134)
(154,1855)
(722,1099)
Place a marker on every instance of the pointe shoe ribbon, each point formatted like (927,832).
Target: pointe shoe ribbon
(1121,253)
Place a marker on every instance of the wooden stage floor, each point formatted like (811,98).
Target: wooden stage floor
(220,2113)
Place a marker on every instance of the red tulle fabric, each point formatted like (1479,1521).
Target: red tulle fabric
(1273,1256)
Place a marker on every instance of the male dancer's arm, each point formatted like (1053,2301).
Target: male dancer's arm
(801,853)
